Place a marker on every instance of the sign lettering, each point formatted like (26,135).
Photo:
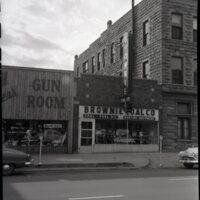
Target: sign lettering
(117,113)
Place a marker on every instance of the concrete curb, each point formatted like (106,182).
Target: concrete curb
(86,167)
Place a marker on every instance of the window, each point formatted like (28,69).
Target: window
(184,108)
(103,57)
(177,70)
(98,61)
(146,69)
(77,71)
(195,29)
(93,64)
(184,131)
(121,48)
(112,53)
(177,29)
(184,128)
(195,72)
(85,67)
(146,33)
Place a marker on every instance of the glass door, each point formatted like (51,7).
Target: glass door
(86,136)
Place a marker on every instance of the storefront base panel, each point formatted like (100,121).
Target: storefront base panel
(45,150)
(101,148)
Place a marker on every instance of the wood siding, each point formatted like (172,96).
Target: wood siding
(36,94)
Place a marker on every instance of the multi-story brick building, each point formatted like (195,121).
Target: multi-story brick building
(157,40)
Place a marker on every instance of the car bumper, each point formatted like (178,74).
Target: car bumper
(29,162)
(189,161)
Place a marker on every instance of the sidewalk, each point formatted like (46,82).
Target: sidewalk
(79,161)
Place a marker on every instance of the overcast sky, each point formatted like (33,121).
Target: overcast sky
(49,33)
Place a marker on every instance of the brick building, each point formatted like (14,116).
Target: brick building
(156,40)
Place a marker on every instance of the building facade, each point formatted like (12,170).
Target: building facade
(103,124)
(37,103)
(157,40)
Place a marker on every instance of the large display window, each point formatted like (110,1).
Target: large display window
(116,132)
(23,133)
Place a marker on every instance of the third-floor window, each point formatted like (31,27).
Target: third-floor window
(195,72)
(177,26)
(195,29)
(146,33)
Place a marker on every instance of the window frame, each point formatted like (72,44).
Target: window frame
(144,75)
(195,83)
(146,33)
(85,67)
(173,70)
(77,72)
(175,27)
(185,116)
(93,64)
(112,53)
(103,57)
(121,51)
(98,61)
(194,30)
(181,135)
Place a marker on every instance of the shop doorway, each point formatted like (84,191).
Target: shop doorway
(86,136)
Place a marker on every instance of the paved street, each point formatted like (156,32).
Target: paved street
(151,184)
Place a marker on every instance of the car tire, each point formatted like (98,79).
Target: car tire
(188,165)
(8,169)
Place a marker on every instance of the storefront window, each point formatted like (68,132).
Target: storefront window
(115,132)
(27,133)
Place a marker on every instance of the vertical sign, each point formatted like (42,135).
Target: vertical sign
(125,44)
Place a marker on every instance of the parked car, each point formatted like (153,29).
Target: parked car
(14,159)
(189,157)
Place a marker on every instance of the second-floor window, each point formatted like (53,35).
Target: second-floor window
(103,57)
(146,33)
(112,53)
(85,67)
(145,69)
(93,64)
(98,61)
(177,26)
(195,72)
(195,29)
(177,70)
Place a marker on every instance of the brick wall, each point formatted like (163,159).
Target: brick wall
(151,10)
(185,48)
(111,34)
(169,130)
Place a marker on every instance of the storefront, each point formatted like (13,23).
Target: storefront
(111,129)
(37,103)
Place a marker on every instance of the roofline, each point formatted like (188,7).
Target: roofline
(36,69)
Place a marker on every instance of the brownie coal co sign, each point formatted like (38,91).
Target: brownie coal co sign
(117,113)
